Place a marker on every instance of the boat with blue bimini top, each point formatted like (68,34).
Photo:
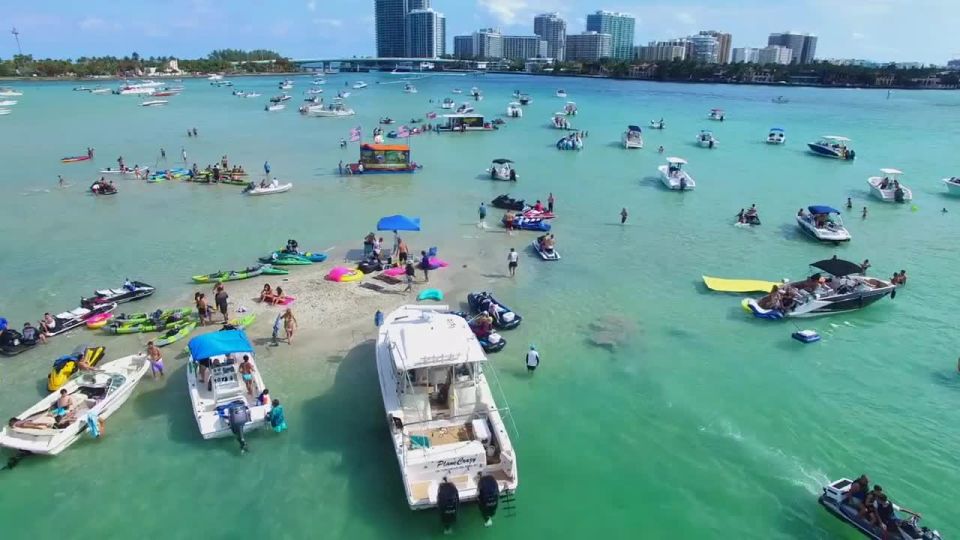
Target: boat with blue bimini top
(836,286)
(832,146)
(445,426)
(823,223)
(888,521)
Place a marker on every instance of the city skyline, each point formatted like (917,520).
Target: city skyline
(311,28)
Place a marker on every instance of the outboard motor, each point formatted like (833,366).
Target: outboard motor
(683,183)
(488,498)
(513,175)
(448,502)
(238,415)
(851,154)
(898,195)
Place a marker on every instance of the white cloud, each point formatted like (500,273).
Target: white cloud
(93,23)
(312,5)
(686,18)
(857,36)
(510,12)
(333,23)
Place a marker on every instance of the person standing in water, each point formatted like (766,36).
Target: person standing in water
(220,299)
(482,211)
(163,155)
(550,201)
(266,168)
(533,359)
(60,180)
(623,216)
(513,259)
(289,325)
(183,154)
(156,360)
(864,215)
(849,204)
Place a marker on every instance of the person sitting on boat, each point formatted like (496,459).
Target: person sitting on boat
(62,406)
(856,495)
(263,183)
(740,216)
(493,309)
(47,326)
(483,326)
(886,514)
(772,300)
(546,243)
(538,207)
(884,183)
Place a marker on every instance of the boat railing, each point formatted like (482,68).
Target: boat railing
(502,398)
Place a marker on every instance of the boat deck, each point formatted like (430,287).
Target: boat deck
(444,435)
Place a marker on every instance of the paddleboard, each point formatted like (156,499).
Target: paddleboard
(738,285)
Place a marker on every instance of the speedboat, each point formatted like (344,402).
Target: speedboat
(343,95)
(314,91)
(445,426)
(514,110)
(525,99)
(275,107)
(561,93)
(475,92)
(908,529)
(706,139)
(6,91)
(776,136)
(136,90)
(100,90)
(94,396)
(832,146)
(464,108)
(408,88)
(359,84)
(4,112)
(8,103)
(560,121)
(318,82)
(335,109)
(674,177)
(313,100)
(154,102)
(953,185)
(502,169)
(252,95)
(217,389)
(632,137)
(657,124)
(570,109)
(215,77)
(286,85)
(546,253)
(447,103)
(456,91)
(823,223)
(128,292)
(843,289)
(274,187)
(716,114)
(888,187)
(281,98)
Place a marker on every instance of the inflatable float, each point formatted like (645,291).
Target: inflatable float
(805,336)
(342,274)
(738,285)
(751,305)
(430,294)
(74,159)
(99,320)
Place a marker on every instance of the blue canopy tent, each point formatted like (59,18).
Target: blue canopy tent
(822,209)
(398,223)
(218,344)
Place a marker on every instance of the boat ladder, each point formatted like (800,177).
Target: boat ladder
(508,503)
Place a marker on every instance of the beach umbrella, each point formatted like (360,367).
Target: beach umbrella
(398,223)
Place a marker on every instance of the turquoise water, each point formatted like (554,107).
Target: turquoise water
(699,422)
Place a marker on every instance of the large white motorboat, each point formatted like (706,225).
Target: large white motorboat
(285,85)
(835,501)
(136,90)
(953,185)
(570,109)
(318,82)
(525,99)
(447,103)
(217,387)
(776,136)
(832,146)
(502,169)
(448,434)
(823,223)
(6,91)
(674,177)
(706,139)
(560,121)
(100,90)
(844,288)
(717,114)
(314,91)
(514,110)
(359,84)
(633,137)
(94,395)
(889,188)
(476,93)
(335,109)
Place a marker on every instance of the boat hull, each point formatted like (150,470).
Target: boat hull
(824,151)
(888,195)
(953,187)
(673,181)
(823,235)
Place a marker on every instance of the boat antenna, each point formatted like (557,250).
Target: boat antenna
(16,36)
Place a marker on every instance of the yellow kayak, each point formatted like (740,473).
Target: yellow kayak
(738,285)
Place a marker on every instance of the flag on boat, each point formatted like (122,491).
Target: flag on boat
(355,134)
(403,132)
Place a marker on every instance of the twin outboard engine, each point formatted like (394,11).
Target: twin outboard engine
(488,498)
(448,502)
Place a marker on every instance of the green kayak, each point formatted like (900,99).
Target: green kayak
(242,322)
(235,275)
(136,318)
(146,326)
(175,334)
(286,259)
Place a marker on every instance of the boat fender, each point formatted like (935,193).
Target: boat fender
(448,502)
(488,498)
(430,294)
(806,336)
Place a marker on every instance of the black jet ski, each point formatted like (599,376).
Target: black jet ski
(505,319)
(12,342)
(369,265)
(506,202)
(128,292)
(68,320)
(491,343)
(906,529)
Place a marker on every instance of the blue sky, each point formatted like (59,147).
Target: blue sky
(899,30)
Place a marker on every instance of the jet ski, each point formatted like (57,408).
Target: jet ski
(68,320)
(505,318)
(491,342)
(12,342)
(907,529)
(65,366)
(506,202)
(130,291)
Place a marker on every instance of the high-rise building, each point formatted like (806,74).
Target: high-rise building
(775,54)
(390,23)
(661,51)
(426,34)
(463,47)
(488,44)
(552,29)
(746,55)
(588,46)
(620,26)
(524,47)
(725,42)
(954,65)
(703,49)
(417,4)
(804,46)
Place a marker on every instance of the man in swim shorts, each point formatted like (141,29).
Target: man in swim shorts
(155,358)
(221,300)
(246,372)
